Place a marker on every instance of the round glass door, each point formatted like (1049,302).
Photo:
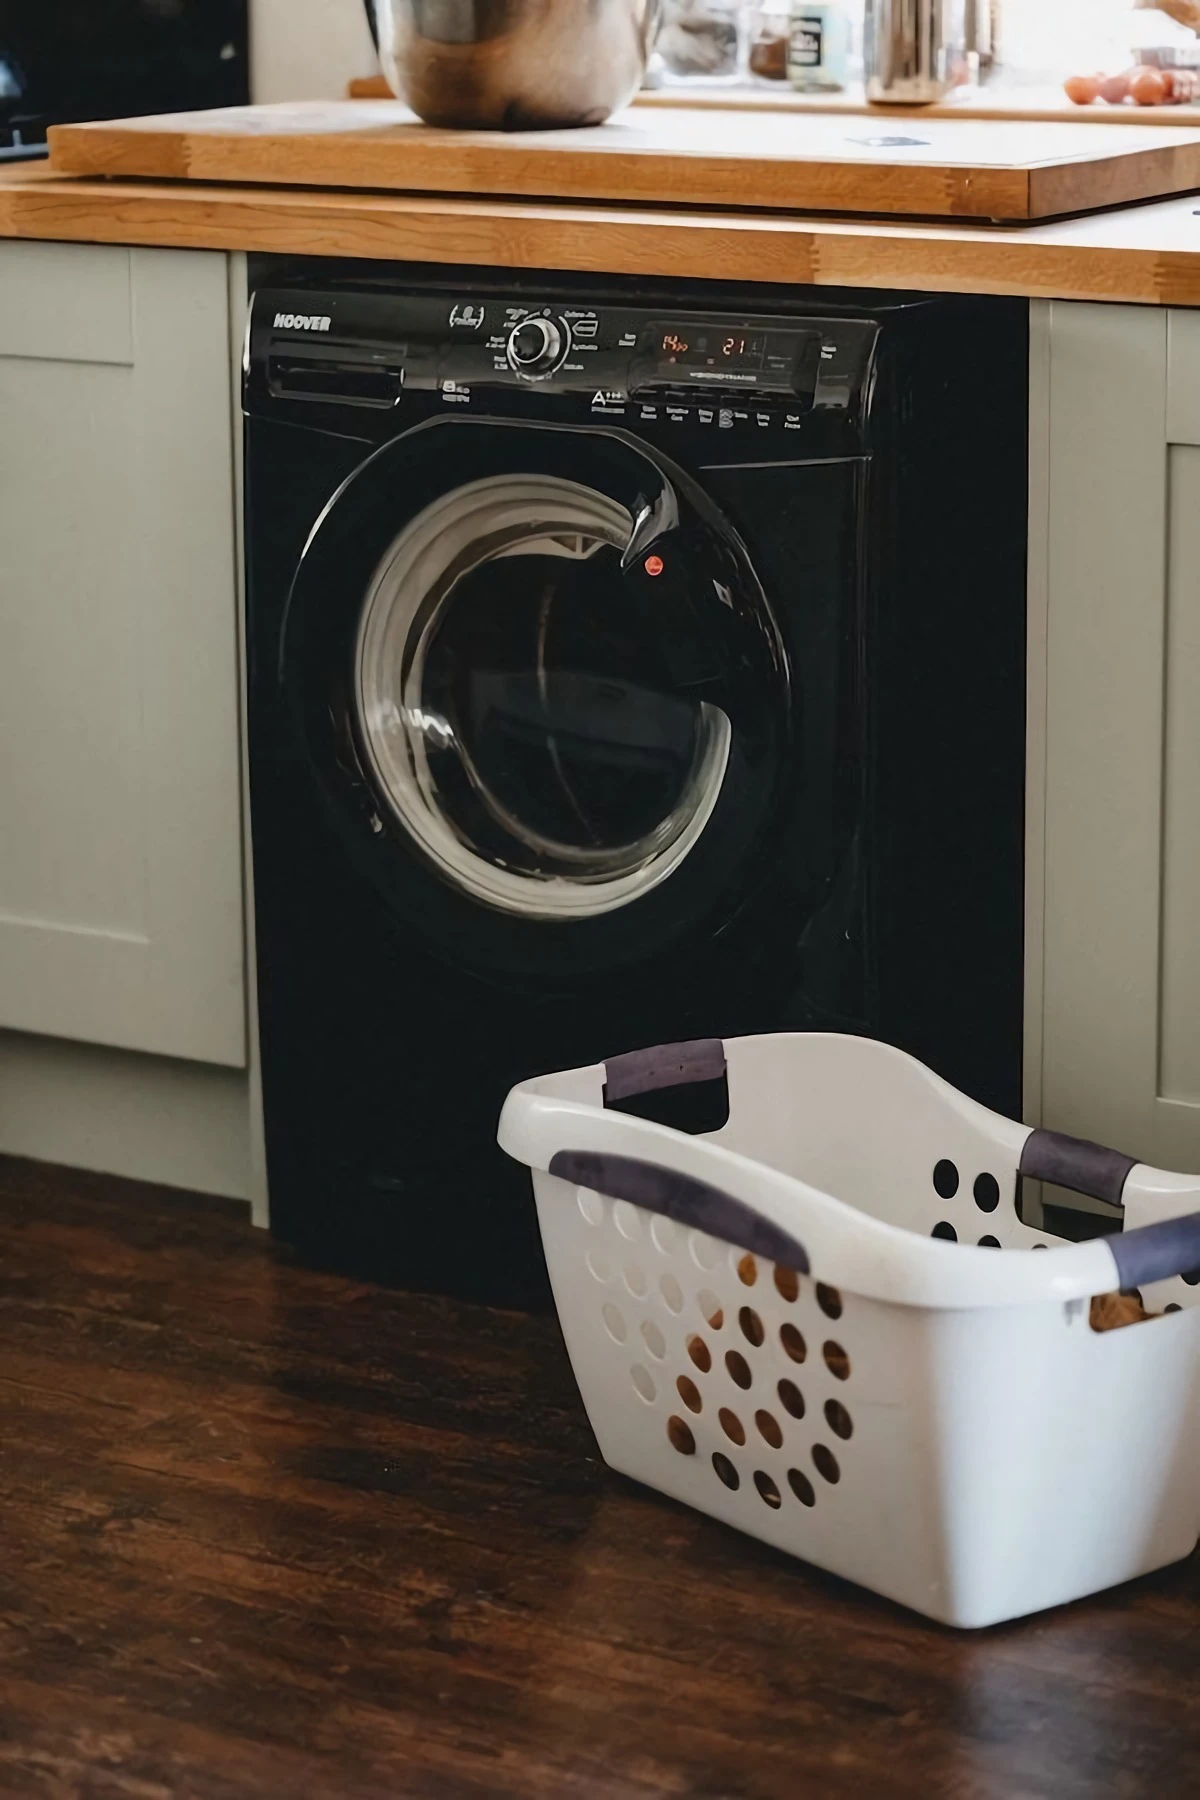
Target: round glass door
(517,700)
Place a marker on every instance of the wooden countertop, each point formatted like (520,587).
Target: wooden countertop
(1147,254)
(269,1533)
(784,162)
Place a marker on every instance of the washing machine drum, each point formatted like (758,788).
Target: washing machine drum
(541,689)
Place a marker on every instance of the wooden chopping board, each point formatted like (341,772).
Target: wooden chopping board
(793,162)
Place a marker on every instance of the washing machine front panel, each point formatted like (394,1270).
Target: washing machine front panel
(541,689)
(473,714)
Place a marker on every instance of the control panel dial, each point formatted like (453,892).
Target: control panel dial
(538,345)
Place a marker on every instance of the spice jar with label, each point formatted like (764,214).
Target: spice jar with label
(818,58)
(769,40)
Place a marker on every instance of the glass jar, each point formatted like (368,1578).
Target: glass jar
(703,41)
(818,46)
(769,40)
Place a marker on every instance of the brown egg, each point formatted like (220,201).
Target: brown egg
(1115,88)
(1148,87)
(1082,89)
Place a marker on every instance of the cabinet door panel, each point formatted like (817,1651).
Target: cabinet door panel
(1179,1051)
(120,864)
(1122,825)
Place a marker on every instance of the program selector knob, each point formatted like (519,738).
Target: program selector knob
(538,345)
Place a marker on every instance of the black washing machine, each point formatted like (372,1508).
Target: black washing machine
(624,667)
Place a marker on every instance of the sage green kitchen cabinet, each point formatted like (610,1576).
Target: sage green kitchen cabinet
(121,905)
(1113,1051)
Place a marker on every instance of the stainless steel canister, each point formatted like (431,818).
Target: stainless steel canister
(915,51)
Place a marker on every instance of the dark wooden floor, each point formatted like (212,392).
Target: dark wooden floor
(264,1533)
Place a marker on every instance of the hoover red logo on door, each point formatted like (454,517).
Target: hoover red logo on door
(302,322)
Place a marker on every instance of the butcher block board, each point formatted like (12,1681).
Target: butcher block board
(781,162)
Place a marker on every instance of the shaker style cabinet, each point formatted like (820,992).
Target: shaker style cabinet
(121,917)
(1114,820)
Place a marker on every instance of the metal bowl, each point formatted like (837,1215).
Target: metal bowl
(514,65)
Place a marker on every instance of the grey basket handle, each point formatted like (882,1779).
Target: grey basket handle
(666,1066)
(1078,1164)
(1156,1252)
(1152,1252)
(682,1198)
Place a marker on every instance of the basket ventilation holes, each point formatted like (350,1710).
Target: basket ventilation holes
(664,1234)
(802,1487)
(599,1265)
(705,1254)
(635,1280)
(747,1269)
(791,1399)
(836,1360)
(726,1470)
(990,1243)
(643,1381)
(671,1292)
(826,1463)
(839,1420)
(711,1308)
(767,1489)
(700,1353)
(945,1179)
(689,1393)
(1173,1307)
(614,1321)
(987,1193)
(680,1434)
(626,1220)
(656,1343)
(591,1206)
(1193,1278)
(945,1230)
(732,1426)
(739,1368)
(787,1281)
(769,1429)
(829,1301)
(752,1326)
(793,1343)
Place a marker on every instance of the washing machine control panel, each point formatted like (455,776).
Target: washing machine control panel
(663,367)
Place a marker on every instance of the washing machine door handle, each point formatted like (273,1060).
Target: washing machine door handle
(653,519)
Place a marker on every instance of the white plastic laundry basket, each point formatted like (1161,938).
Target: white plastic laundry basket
(773,1324)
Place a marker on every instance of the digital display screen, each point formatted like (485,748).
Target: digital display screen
(712,348)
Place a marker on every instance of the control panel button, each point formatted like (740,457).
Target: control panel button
(538,345)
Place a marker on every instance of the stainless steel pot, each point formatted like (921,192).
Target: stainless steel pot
(914,51)
(514,65)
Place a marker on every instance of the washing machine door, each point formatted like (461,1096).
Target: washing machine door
(541,690)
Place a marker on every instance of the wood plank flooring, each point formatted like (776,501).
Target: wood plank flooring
(266,1533)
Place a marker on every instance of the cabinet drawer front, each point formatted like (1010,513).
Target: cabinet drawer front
(1183,378)
(66,303)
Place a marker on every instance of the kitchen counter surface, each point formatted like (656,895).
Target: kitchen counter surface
(1148,253)
(268,1532)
